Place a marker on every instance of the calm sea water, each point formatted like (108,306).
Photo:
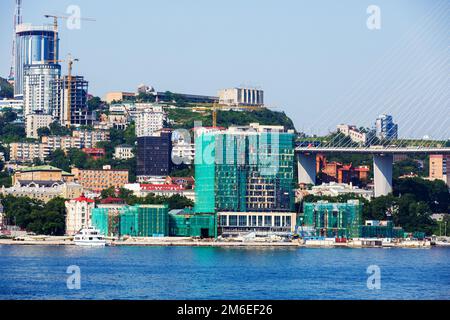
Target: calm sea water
(39,272)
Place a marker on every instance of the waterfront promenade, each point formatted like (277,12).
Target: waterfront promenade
(192,242)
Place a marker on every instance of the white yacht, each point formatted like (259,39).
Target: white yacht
(89,237)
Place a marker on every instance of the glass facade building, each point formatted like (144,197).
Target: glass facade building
(386,128)
(154,155)
(35,45)
(244,172)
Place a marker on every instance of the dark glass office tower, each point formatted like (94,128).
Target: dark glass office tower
(154,154)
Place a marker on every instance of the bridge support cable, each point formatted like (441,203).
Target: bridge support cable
(413,45)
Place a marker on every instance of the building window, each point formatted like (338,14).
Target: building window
(277,221)
(232,220)
(242,221)
(288,221)
(268,221)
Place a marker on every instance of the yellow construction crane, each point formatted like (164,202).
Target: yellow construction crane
(55,28)
(70,62)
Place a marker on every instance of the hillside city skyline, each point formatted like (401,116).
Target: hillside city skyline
(335,58)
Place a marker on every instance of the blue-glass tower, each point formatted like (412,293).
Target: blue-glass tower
(35,45)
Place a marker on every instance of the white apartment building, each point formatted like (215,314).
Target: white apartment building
(51,143)
(35,121)
(353,132)
(38,91)
(149,119)
(183,151)
(78,214)
(89,139)
(123,152)
(241,96)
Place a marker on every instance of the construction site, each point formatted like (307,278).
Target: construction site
(248,171)
(134,221)
(339,220)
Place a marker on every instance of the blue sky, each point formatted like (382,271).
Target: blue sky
(316,60)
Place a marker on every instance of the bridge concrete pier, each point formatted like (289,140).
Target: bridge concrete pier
(306,163)
(382,174)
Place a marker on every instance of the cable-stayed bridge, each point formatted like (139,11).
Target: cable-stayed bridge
(410,82)
(382,162)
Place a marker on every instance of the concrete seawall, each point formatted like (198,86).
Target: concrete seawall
(199,243)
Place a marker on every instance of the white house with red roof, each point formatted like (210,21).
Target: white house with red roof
(78,214)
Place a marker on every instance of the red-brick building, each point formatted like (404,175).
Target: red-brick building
(339,172)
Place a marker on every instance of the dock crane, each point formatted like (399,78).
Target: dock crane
(55,27)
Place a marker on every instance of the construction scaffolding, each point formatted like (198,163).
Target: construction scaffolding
(388,231)
(136,221)
(192,225)
(145,221)
(100,219)
(334,219)
(244,172)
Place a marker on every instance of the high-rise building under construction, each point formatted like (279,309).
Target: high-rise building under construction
(246,176)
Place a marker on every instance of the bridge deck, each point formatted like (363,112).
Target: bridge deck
(409,150)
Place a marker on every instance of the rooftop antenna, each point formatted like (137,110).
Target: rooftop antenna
(17,21)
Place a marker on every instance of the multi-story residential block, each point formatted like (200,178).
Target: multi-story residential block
(78,214)
(123,152)
(241,96)
(35,121)
(386,128)
(65,143)
(38,89)
(149,120)
(27,151)
(118,121)
(439,167)
(354,133)
(90,138)
(246,175)
(154,155)
(98,180)
(183,151)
